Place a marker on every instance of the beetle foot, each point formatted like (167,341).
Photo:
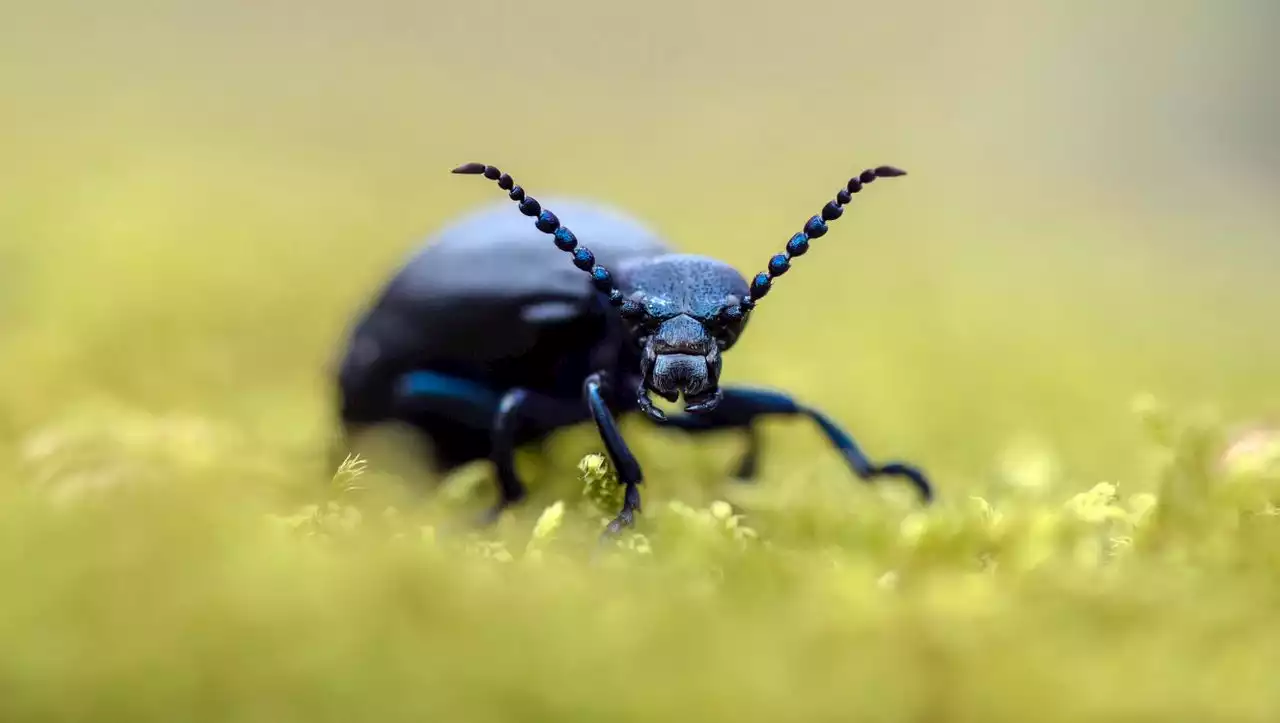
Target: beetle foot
(490,516)
(910,473)
(626,517)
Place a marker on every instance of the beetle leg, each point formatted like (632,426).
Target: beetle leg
(595,390)
(749,465)
(519,405)
(741,406)
(469,402)
(478,406)
(502,453)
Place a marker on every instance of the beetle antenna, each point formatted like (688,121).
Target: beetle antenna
(815,227)
(547,223)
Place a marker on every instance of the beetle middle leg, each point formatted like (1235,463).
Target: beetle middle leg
(749,464)
(502,453)
(517,406)
(740,407)
(480,408)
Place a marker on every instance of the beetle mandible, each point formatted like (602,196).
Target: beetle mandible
(486,340)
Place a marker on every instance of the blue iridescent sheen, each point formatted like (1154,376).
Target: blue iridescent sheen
(530,206)
(779,264)
(760,285)
(815,227)
(547,222)
(583,258)
(425,383)
(798,245)
(565,240)
(601,278)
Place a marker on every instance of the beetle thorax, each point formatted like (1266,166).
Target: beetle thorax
(674,284)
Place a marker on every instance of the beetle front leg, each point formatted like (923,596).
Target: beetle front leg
(595,390)
(742,406)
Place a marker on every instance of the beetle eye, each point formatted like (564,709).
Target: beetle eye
(632,310)
(729,315)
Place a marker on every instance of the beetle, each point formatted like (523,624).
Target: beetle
(487,340)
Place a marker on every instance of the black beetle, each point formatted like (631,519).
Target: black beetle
(486,340)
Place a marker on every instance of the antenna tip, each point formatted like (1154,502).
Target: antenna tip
(889,172)
(470,168)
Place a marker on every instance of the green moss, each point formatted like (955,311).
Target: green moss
(182,597)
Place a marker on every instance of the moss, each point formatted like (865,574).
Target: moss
(208,601)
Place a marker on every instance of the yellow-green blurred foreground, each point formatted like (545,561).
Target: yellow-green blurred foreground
(1065,313)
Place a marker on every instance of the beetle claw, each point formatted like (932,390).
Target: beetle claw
(647,406)
(704,404)
(626,517)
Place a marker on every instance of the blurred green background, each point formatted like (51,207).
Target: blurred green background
(198,197)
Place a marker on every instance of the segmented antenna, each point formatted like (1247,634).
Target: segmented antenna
(547,223)
(815,227)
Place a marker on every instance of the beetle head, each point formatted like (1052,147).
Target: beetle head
(681,357)
(683,311)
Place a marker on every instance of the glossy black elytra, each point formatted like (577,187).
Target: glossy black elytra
(487,340)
